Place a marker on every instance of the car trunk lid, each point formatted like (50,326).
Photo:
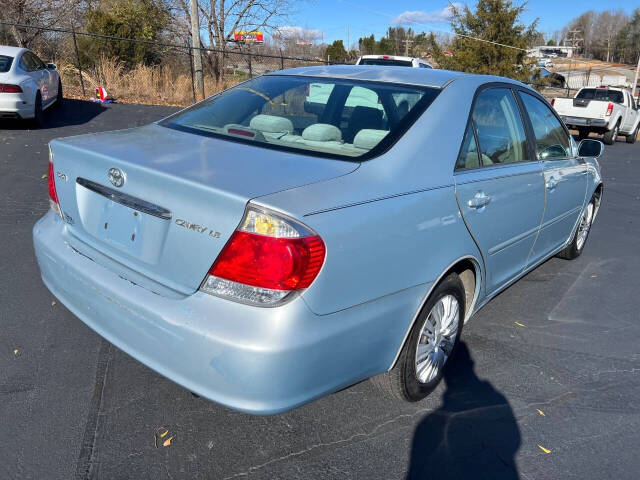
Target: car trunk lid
(163,203)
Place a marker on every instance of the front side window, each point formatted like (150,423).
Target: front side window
(499,127)
(323,116)
(551,139)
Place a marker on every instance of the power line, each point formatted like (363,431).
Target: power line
(377,12)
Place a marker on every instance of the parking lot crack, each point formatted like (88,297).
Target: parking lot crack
(85,459)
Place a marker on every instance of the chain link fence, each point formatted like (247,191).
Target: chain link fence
(146,71)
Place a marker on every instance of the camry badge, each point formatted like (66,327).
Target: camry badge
(117,177)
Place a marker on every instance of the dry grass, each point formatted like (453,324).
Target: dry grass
(142,84)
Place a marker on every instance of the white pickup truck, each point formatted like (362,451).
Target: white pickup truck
(604,110)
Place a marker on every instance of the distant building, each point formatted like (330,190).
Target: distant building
(550,51)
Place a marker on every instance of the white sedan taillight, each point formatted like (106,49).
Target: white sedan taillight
(266,259)
(53,195)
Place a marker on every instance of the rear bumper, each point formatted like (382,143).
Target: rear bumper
(575,122)
(12,105)
(258,360)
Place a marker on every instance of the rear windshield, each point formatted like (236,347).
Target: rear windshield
(328,117)
(383,61)
(5,63)
(604,94)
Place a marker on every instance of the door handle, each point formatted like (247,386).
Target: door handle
(551,183)
(480,200)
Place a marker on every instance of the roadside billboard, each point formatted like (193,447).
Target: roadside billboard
(248,37)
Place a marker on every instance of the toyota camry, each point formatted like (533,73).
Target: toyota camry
(268,246)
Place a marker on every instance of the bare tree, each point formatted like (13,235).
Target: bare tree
(220,18)
(46,13)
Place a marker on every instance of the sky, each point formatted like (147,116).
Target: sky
(329,19)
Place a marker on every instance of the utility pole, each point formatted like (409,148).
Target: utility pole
(348,39)
(407,42)
(635,80)
(195,49)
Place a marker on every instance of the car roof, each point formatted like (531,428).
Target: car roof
(11,51)
(391,74)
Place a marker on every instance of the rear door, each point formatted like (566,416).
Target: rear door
(499,185)
(565,176)
(28,64)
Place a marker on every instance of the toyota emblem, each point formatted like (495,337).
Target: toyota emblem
(117,177)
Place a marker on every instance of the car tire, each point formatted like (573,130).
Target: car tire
(38,114)
(611,136)
(633,136)
(60,96)
(579,240)
(411,380)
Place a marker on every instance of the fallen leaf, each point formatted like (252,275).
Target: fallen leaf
(540,412)
(16,351)
(594,276)
(162,435)
(167,442)
(545,450)
(519,324)
(54,303)
(44,175)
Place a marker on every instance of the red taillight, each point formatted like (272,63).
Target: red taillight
(53,195)
(268,262)
(8,88)
(609,109)
(553,102)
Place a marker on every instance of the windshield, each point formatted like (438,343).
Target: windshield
(5,63)
(322,116)
(604,94)
(385,61)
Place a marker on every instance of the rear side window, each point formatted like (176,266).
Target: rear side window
(602,94)
(468,157)
(329,117)
(499,127)
(5,63)
(27,64)
(551,139)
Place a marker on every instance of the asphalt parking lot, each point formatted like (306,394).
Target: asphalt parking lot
(551,365)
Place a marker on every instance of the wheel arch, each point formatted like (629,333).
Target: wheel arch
(468,268)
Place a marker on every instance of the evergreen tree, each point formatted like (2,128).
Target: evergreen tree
(495,21)
(336,52)
(139,19)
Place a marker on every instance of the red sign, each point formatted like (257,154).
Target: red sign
(249,37)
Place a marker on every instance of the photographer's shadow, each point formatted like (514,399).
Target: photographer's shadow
(473,434)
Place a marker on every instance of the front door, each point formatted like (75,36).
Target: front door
(500,188)
(565,177)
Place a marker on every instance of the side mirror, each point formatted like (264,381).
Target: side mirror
(590,148)
(51,66)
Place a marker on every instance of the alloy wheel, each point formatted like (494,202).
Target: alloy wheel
(585,226)
(437,338)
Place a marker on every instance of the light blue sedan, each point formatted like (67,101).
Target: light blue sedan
(263,250)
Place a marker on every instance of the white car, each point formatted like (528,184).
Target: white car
(28,86)
(393,60)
